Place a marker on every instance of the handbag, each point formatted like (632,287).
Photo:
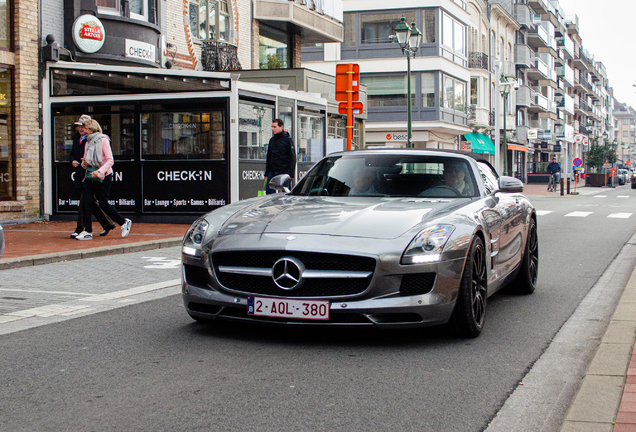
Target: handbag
(89,177)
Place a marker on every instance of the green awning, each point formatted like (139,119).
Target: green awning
(481,143)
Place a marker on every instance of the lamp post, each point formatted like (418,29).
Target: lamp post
(504,89)
(409,39)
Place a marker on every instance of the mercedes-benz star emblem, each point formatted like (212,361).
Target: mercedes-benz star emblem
(288,273)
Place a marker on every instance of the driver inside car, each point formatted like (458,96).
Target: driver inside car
(364,180)
(454,176)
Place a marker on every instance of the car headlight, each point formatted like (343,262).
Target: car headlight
(427,245)
(194,238)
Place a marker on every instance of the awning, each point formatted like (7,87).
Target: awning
(517,147)
(481,143)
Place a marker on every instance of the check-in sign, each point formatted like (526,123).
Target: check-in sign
(140,50)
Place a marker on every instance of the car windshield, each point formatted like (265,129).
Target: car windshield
(389,175)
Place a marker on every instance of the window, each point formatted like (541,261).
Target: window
(625,122)
(108,6)
(183,135)
(311,136)
(453,94)
(205,21)
(273,49)
(388,90)
(428,90)
(139,9)
(255,120)
(376,28)
(428,26)
(473,91)
(625,134)
(453,34)
(6,135)
(5,24)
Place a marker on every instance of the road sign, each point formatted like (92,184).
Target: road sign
(577,168)
(342,81)
(357,108)
(577,162)
(613,171)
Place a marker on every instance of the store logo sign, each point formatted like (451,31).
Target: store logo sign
(140,50)
(396,137)
(88,34)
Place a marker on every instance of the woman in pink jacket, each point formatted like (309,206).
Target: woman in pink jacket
(98,162)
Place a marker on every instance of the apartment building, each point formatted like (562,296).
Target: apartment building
(625,134)
(440,76)
(19,138)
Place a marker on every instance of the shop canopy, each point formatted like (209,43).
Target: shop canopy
(481,143)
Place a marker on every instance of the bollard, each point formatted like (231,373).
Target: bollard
(561,181)
(568,186)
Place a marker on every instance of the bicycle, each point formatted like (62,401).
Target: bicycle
(554,181)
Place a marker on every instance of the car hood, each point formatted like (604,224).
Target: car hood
(382,218)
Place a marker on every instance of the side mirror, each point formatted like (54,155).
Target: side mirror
(510,185)
(281,183)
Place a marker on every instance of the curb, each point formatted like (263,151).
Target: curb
(33,260)
(599,397)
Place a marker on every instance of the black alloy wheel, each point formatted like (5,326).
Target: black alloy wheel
(526,280)
(470,310)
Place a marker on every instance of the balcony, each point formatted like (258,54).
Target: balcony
(478,60)
(567,47)
(566,74)
(538,37)
(539,6)
(521,134)
(539,103)
(524,56)
(564,132)
(572,21)
(315,26)
(539,71)
(478,116)
(523,14)
(524,96)
(566,104)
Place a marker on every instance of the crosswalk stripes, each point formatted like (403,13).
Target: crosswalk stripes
(582,214)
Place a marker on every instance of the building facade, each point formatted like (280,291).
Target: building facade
(20,164)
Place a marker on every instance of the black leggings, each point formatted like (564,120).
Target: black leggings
(101,191)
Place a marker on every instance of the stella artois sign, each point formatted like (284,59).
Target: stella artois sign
(88,33)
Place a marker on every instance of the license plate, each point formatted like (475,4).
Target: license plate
(284,308)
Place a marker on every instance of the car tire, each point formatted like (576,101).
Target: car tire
(469,315)
(526,280)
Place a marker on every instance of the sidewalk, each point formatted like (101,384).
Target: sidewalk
(44,242)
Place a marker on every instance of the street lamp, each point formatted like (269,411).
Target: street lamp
(504,88)
(409,39)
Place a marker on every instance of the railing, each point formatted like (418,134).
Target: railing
(523,15)
(471,114)
(478,60)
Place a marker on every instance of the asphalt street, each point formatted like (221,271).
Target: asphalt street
(131,358)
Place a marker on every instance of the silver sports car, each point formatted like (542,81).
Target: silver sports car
(386,238)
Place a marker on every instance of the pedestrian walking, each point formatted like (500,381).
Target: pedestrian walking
(77,153)
(98,162)
(281,154)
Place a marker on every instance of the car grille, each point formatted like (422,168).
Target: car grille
(417,284)
(318,287)
(197,276)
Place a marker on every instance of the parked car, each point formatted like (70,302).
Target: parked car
(1,241)
(633,180)
(415,248)
(623,176)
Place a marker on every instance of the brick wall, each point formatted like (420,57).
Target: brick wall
(26,114)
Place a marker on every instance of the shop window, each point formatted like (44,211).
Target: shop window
(210,20)
(255,120)
(5,24)
(6,135)
(273,48)
(376,28)
(337,129)
(311,137)
(117,122)
(388,90)
(183,135)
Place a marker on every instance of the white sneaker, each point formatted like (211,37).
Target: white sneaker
(84,236)
(125,228)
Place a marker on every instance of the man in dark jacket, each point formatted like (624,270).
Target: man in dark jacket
(554,169)
(77,153)
(281,154)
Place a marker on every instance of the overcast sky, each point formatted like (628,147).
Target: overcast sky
(608,31)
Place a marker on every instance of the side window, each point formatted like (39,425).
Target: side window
(488,177)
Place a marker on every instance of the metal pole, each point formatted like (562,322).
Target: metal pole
(497,121)
(505,142)
(409,144)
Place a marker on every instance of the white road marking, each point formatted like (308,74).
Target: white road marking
(134,291)
(620,215)
(543,212)
(622,196)
(47,292)
(162,263)
(600,196)
(578,214)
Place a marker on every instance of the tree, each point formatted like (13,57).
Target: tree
(599,153)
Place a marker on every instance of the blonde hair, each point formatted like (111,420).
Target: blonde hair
(93,125)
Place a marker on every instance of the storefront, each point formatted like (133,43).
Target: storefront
(184,142)
(7,149)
